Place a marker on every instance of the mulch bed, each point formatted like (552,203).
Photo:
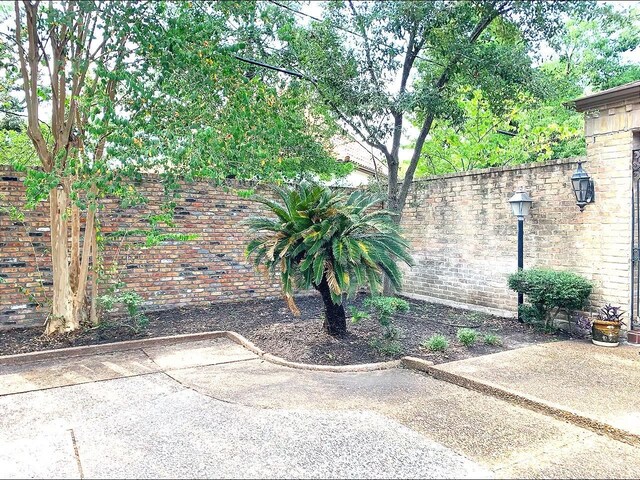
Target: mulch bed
(272,327)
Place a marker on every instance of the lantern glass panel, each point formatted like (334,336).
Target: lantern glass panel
(580,188)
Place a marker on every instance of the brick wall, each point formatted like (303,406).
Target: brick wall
(172,274)
(463,233)
(461,229)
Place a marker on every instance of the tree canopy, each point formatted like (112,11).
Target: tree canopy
(115,89)
(591,53)
(380,65)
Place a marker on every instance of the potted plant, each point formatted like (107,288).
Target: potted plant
(605,329)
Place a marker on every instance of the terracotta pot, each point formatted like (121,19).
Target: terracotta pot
(605,334)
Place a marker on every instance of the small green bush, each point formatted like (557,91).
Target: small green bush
(436,343)
(357,315)
(467,336)
(389,348)
(382,308)
(131,301)
(549,292)
(491,339)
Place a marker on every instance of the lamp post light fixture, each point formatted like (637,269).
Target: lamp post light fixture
(520,204)
(582,187)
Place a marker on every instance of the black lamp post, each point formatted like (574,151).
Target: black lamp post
(582,187)
(520,204)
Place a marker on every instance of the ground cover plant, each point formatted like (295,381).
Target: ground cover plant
(491,339)
(467,336)
(436,343)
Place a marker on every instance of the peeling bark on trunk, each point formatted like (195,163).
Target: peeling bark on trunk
(335,320)
(62,311)
(67,57)
(70,263)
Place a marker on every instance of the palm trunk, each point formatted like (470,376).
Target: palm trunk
(335,320)
(387,287)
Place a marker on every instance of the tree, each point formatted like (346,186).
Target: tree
(592,51)
(135,87)
(378,64)
(536,126)
(326,240)
(526,130)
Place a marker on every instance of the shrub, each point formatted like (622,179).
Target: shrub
(491,339)
(467,336)
(549,292)
(436,343)
(131,301)
(384,308)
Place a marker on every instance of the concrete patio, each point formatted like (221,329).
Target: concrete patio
(211,408)
(595,385)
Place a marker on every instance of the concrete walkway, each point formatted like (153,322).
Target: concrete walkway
(213,409)
(575,379)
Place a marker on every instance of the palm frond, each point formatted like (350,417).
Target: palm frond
(331,278)
(317,235)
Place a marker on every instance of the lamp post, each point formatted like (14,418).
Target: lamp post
(520,204)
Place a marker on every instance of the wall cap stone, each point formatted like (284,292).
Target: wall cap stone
(616,96)
(514,168)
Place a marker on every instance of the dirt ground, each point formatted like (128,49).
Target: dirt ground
(270,325)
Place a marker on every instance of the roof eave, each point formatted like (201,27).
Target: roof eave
(617,95)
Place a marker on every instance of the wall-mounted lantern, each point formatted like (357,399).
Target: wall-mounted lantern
(582,187)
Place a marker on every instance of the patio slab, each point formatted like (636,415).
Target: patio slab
(73,371)
(511,440)
(595,383)
(211,409)
(152,427)
(52,373)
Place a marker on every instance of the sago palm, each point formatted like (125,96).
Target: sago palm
(329,241)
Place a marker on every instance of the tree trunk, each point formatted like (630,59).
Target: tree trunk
(335,320)
(387,288)
(70,265)
(393,163)
(63,316)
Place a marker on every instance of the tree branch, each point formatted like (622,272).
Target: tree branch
(29,71)
(367,46)
(428,121)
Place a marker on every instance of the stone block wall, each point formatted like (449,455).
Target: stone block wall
(173,274)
